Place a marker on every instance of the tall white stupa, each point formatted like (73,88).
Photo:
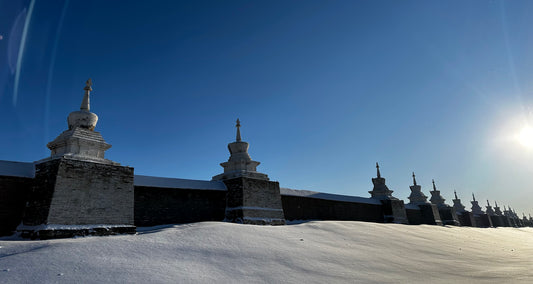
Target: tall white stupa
(77,191)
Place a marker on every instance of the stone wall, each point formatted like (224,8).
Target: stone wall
(498,221)
(253,201)
(309,208)
(423,214)
(466,219)
(13,194)
(40,196)
(448,216)
(73,192)
(414,215)
(394,211)
(483,221)
(158,205)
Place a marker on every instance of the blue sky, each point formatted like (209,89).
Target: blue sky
(323,89)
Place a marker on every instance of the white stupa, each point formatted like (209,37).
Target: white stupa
(476,209)
(497,209)
(417,197)
(80,141)
(436,198)
(380,190)
(240,164)
(457,205)
(489,210)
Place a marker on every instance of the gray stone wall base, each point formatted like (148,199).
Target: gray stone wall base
(73,192)
(483,221)
(497,221)
(46,234)
(466,219)
(13,194)
(430,214)
(394,211)
(253,201)
(448,216)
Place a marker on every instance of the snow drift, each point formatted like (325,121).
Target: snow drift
(312,252)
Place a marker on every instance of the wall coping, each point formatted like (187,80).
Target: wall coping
(328,196)
(178,183)
(17,169)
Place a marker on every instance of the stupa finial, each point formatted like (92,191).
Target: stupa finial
(434,187)
(455,193)
(496,203)
(473,197)
(238,139)
(85,103)
(377,167)
(414,179)
(488,204)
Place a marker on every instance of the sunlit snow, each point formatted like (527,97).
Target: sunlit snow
(312,252)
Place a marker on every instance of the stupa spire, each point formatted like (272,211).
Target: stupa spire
(238,138)
(377,167)
(86,103)
(414,179)
(473,197)
(434,187)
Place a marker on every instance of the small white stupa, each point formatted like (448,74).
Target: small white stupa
(240,164)
(489,210)
(436,198)
(80,141)
(497,209)
(380,190)
(417,197)
(457,205)
(476,209)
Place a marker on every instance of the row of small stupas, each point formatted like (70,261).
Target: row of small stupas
(450,215)
(418,197)
(77,191)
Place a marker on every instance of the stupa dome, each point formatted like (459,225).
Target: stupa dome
(83,118)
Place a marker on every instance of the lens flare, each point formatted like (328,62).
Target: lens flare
(526,137)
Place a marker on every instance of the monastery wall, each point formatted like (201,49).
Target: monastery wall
(160,201)
(309,205)
(16,180)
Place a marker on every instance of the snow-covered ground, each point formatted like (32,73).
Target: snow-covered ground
(312,252)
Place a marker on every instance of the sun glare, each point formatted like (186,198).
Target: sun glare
(526,137)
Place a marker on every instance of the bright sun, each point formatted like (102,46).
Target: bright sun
(526,137)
